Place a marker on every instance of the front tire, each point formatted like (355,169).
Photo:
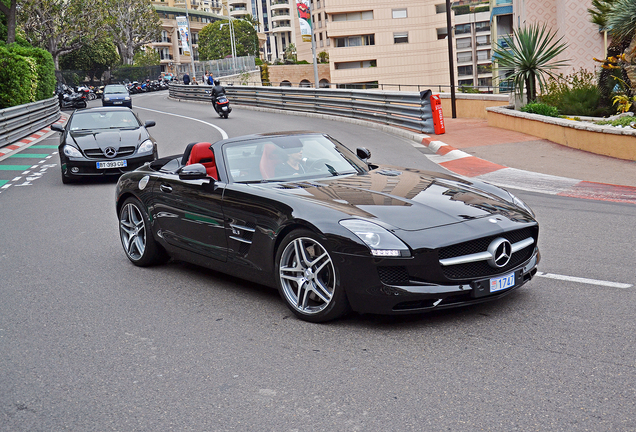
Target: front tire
(307,278)
(134,230)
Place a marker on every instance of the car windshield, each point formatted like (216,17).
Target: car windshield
(120,119)
(118,89)
(289,158)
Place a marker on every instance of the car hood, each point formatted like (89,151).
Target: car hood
(407,199)
(103,138)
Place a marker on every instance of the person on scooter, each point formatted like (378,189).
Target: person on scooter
(217,90)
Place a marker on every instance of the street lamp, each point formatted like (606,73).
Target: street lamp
(232,42)
(194,72)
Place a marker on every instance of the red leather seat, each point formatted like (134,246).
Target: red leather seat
(202,153)
(270,159)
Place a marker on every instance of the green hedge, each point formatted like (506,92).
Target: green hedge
(26,75)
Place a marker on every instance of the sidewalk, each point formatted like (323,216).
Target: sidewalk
(472,148)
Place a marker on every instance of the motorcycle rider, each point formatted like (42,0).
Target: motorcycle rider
(217,90)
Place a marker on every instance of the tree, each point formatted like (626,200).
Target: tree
(9,10)
(621,19)
(146,57)
(131,24)
(93,58)
(60,26)
(215,41)
(599,10)
(290,53)
(529,57)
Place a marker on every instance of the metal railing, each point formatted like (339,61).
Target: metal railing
(21,121)
(406,110)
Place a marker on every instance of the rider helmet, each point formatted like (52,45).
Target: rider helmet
(216,82)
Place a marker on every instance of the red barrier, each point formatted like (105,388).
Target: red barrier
(438,116)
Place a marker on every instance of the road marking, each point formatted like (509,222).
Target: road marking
(584,280)
(29,155)
(14,167)
(221,131)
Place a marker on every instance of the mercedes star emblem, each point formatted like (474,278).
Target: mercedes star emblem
(110,152)
(500,252)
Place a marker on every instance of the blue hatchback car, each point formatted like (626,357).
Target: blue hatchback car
(116,95)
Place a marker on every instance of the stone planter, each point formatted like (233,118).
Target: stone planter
(604,140)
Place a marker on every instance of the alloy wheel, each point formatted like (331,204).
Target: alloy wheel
(307,275)
(133,231)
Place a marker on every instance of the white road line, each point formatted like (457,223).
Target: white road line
(584,280)
(223,133)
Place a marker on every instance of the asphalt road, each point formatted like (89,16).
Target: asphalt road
(88,342)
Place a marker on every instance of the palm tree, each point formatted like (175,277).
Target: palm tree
(529,58)
(599,11)
(621,19)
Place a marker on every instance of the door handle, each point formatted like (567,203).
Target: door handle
(165,188)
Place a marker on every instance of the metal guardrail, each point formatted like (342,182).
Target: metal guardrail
(21,121)
(404,109)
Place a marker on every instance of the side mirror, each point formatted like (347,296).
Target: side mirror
(193,172)
(363,153)
(149,123)
(57,128)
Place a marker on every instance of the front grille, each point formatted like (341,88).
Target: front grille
(393,275)
(481,268)
(98,153)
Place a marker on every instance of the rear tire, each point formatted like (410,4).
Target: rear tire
(136,237)
(307,279)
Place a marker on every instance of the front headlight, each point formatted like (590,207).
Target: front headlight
(70,151)
(146,147)
(519,203)
(106,99)
(381,242)
(127,98)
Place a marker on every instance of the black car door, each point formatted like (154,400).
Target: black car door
(190,215)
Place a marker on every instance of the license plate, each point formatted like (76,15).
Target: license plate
(502,282)
(117,103)
(112,164)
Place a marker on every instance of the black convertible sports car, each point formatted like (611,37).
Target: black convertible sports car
(333,232)
(104,141)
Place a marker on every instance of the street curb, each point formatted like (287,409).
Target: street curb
(462,163)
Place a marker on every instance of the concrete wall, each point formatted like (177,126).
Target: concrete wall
(603,140)
(471,105)
(297,73)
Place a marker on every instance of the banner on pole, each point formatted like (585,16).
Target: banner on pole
(182,25)
(304,19)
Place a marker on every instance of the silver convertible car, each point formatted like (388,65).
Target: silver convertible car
(333,232)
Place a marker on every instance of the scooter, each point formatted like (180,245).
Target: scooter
(222,106)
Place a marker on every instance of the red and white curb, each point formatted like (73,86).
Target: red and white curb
(6,151)
(464,164)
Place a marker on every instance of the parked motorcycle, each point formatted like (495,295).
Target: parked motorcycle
(222,106)
(71,99)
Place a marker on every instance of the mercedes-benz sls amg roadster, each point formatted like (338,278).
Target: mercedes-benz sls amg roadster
(333,232)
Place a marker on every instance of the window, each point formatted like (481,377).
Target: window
(484,69)
(467,82)
(464,70)
(353,16)
(356,64)
(462,29)
(483,55)
(464,43)
(464,57)
(483,40)
(399,13)
(483,82)
(401,37)
(440,8)
(482,26)
(442,33)
(352,41)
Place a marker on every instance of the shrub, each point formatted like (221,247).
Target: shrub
(622,121)
(17,78)
(44,69)
(541,108)
(575,94)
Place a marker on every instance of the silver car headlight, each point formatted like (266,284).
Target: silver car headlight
(71,151)
(106,99)
(519,203)
(146,147)
(380,241)
(127,98)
